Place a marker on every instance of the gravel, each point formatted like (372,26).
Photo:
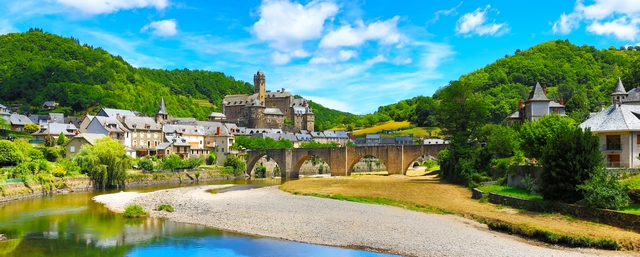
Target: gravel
(274,213)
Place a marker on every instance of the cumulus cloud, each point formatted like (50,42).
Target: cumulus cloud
(401,60)
(386,32)
(286,25)
(476,23)
(109,6)
(618,18)
(163,28)
(378,59)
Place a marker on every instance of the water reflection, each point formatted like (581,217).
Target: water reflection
(74,225)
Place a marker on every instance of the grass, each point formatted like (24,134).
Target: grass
(431,194)
(378,128)
(165,207)
(204,103)
(134,211)
(632,208)
(510,191)
(419,132)
(632,182)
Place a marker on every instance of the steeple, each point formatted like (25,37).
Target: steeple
(162,114)
(538,94)
(619,93)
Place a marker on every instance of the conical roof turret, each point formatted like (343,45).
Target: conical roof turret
(537,94)
(163,108)
(619,90)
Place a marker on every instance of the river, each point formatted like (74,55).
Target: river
(73,225)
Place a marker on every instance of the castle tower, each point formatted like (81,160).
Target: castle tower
(619,93)
(162,115)
(259,84)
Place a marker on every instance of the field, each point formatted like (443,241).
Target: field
(396,125)
(204,103)
(427,193)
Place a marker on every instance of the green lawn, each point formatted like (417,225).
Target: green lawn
(633,209)
(510,191)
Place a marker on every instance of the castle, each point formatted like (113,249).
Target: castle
(266,109)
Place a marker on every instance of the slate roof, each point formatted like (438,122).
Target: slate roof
(183,121)
(537,94)
(111,124)
(56,117)
(90,137)
(232,100)
(49,104)
(342,134)
(435,141)
(36,118)
(184,129)
(114,112)
(277,94)
(273,111)
(56,128)
(73,120)
(141,123)
(623,118)
(372,136)
(217,115)
(633,96)
(619,89)
(331,134)
(318,134)
(163,108)
(19,119)
(303,137)
(554,104)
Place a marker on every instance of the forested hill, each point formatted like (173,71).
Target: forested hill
(581,76)
(36,67)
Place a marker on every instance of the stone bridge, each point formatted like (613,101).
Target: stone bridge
(397,158)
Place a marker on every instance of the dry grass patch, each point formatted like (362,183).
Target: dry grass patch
(378,128)
(428,191)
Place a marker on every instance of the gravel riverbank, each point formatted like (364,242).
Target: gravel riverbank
(273,213)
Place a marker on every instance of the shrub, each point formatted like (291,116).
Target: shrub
(261,171)
(603,190)
(192,162)
(165,207)
(9,154)
(51,153)
(69,166)
(134,211)
(211,158)
(145,165)
(529,183)
(236,163)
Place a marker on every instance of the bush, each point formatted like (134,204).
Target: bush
(603,190)
(134,211)
(69,166)
(51,153)
(9,154)
(236,164)
(211,158)
(261,171)
(165,207)
(529,184)
(192,162)
(145,165)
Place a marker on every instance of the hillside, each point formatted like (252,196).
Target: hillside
(36,66)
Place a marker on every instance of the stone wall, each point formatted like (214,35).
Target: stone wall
(23,190)
(609,217)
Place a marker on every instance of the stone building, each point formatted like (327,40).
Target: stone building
(535,107)
(266,109)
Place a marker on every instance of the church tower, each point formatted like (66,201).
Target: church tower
(162,115)
(259,84)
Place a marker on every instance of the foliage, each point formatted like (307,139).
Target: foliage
(134,211)
(192,162)
(145,164)
(536,134)
(502,141)
(105,162)
(50,153)
(570,157)
(510,191)
(4,124)
(71,168)
(31,128)
(165,207)
(260,171)
(9,154)
(419,110)
(529,183)
(237,165)
(260,143)
(173,162)
(461,110)
(326,118)
(211,158)
(61,139)
(314,144)
(603,190)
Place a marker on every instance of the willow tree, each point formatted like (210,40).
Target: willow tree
(105,162)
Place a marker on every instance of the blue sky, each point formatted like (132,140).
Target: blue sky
(348,55)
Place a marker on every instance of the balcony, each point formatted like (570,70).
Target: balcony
(612,147)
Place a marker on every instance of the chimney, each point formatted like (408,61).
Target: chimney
(218,131)
(601,107)
(561,101)
(544,89)
(520,104)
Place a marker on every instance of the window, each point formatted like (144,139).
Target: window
(72,149)
(638,139)
(613,142)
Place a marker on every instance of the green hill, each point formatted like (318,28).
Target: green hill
(36,66)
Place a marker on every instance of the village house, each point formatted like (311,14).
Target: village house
(53,130)
(217,138)
(536,106)
(48,105)
(618,128)
(193,135)
(175,145)
(111,127)
(18,121)
(146,134)
(75,144)
(4,112)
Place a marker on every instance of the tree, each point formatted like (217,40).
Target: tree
(172,162)
(31,128)
(105,162)
(10,155)
(211,158)
(536,134)
(61,139)
(145,165)
(502,141)
(4,124)
(461,110)
(236,164)
(570,157)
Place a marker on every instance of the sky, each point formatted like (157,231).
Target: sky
(351,56)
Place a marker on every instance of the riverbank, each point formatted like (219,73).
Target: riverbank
(427,193)
(24,190)
(273,213)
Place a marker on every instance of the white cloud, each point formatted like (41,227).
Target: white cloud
(378,59)
(443,12)
(386,32)
(286,25)
(618,18)
(342,56)
(401,60)
(163,28)
(622,28)
(109,6)
(475,23)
